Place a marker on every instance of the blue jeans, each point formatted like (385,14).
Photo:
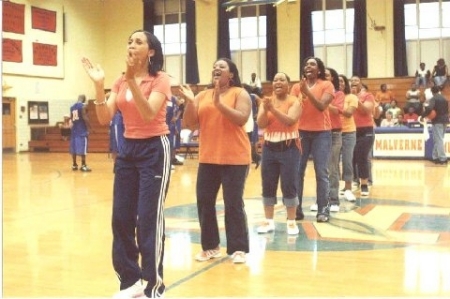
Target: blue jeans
(333,166)
(280,166)
(232,178)
(317,144)
(438,142)
(348,146)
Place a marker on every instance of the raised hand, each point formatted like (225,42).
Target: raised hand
(187,92)
(95,73)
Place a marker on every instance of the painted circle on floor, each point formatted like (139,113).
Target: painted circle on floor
(366,224)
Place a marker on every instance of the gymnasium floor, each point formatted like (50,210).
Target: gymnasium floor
(395,243)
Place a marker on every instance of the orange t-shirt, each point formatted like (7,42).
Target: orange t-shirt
(221,141)
(363,119)
(135,126)
(348,123)
(312,119)
(277,131)
(338,102)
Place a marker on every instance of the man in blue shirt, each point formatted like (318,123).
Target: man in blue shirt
(80,131)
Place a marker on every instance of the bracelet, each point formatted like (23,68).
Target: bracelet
(99,104)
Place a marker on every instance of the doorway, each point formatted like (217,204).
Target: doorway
(9,123)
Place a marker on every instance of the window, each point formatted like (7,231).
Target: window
(248,40)
(427,32)
(170,28)
(332,23)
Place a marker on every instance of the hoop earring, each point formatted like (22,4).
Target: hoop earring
(150,60)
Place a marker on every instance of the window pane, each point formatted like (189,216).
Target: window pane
(334,36)
(262,42)
(446,32)
(317,20)
(446,14)
(183,32)
(159,32)
(248,11)
(249,27)
(173,48)
(428,33)
(171,6)
(333,4)
(262,26)
(171,19)
(318,37)
(410,15)
(172,33)
(349,20)
(235,44)
(249,43)
(429,15)
(234,28)
(411,32)
(334,19)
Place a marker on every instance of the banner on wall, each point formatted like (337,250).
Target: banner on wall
(33,39)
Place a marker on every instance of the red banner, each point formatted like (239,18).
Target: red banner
(12,50)
(13,17)
(44,54)
(43,19)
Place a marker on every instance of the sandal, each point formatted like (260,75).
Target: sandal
(206,255)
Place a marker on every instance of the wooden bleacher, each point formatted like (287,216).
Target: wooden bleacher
(51,139)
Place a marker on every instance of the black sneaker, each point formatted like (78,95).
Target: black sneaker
(364,190)
(299,214)
(439,162)
(84,168)
(75,167)
(324,215)
(177,162)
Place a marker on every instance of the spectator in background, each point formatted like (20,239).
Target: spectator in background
(384,97)
(440,73)
(413,96)
(255,85)
(439,104)
(389,121)
(411,115)
(394,109)
(400,121)
(80,132)
(422,76)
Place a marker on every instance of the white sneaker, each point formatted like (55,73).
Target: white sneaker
(313,207)
(136,290)
(267,227)
(292,228)
(349,196)
(238,257)
(334,208)
(341,192)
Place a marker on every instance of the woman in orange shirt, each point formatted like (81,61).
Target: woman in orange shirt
(142,167)
(278,116)
(220,113)
(315,131)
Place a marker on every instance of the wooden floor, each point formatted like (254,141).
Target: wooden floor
(57,236)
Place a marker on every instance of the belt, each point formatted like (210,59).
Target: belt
(280,146)
(336,130)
